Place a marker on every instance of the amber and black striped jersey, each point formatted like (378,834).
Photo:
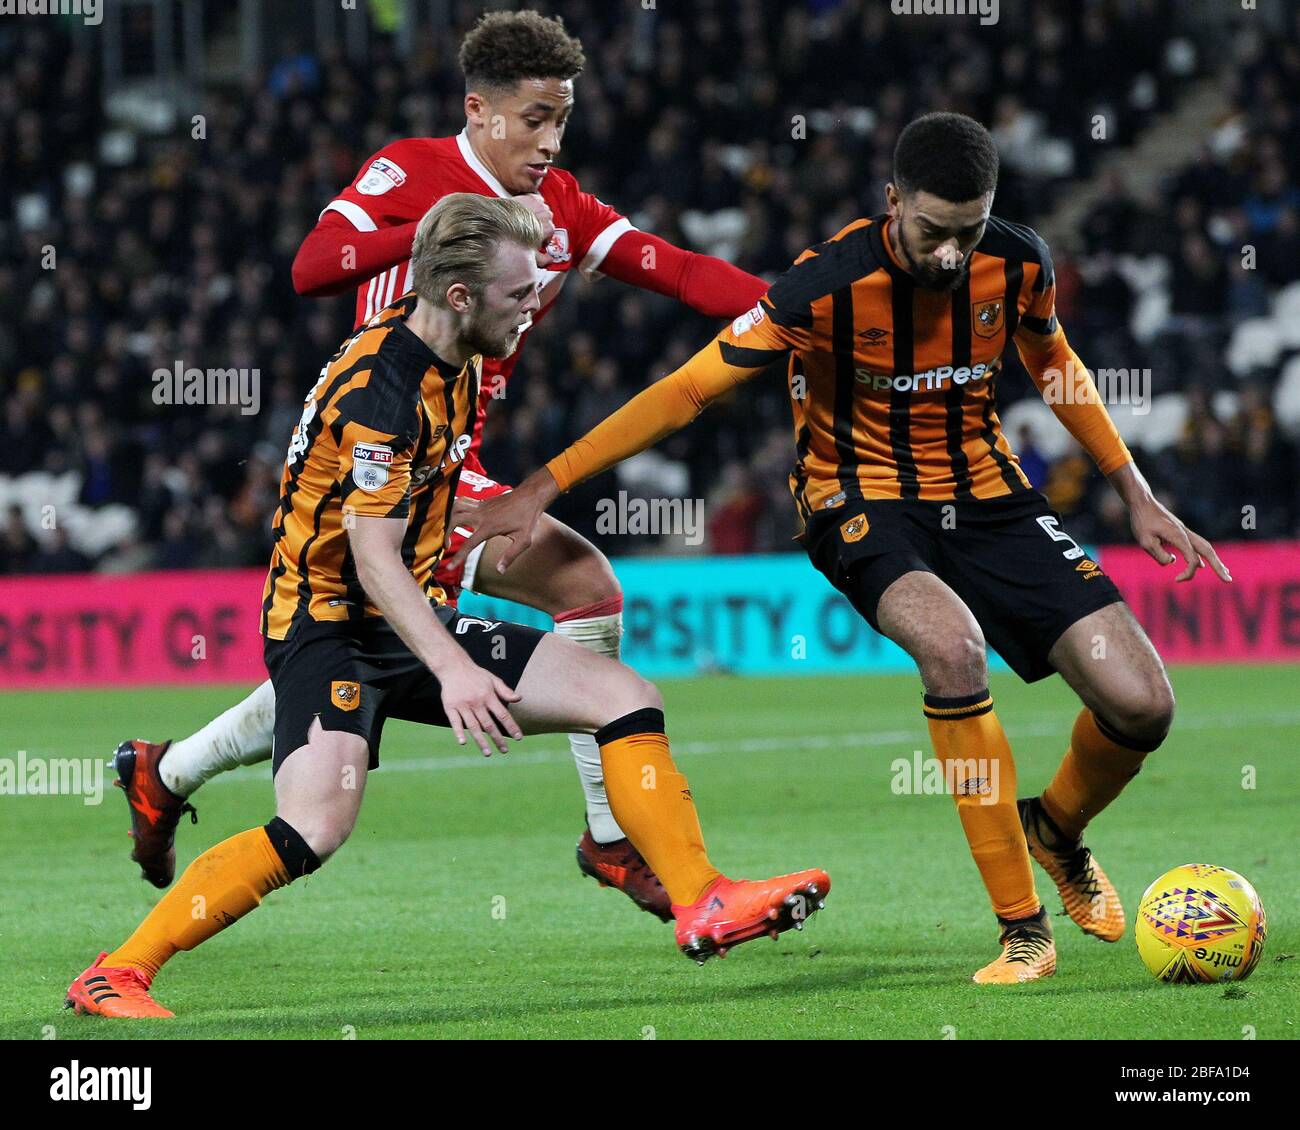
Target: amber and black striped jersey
(383,434)
(892,385)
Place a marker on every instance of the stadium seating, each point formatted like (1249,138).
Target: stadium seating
(169,249)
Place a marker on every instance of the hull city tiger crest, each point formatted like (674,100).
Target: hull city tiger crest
(986,317)
(855,529)
(346,696)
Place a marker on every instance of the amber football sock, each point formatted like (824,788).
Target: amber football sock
(1095,769)
(968,739)
(652,803)
(215,891)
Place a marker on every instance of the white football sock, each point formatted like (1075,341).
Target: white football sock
(600,634)
(240,736)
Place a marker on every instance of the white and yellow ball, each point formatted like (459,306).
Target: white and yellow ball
(1200,924)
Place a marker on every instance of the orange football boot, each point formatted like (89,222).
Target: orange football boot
(119,993)
(621,866)
(732,911)
(1086,893)
(1028,952)
(155,809)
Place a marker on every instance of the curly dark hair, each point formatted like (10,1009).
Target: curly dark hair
(949,155)
(504,47)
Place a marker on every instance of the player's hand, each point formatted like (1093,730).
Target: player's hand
(464,511)
(513,516)
(475,701)
(1159,531)
(538,207)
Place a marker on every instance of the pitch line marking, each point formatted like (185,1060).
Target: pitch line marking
(557,755)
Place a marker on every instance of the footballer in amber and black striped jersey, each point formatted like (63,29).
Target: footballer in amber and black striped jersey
(383,434)
(892,384)
(894,332)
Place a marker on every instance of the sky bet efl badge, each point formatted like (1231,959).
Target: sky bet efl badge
(380,177)
(370,464)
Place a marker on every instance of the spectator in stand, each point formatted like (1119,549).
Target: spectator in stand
(170,250)
(17,549)
(58,555)
(1032,462)
(733,510)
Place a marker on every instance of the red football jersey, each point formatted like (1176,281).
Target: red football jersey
(406,178)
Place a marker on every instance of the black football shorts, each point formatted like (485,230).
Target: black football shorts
(1024,578)
(354,675)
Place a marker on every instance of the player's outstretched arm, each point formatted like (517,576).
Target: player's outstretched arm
(1072,394)
(1158,530)
(515,519)
(475,699)
(336,257)
(665,407)
(703,282)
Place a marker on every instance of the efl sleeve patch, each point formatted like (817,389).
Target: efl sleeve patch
(374,472)
(748,321)
(371,463)
(382,175)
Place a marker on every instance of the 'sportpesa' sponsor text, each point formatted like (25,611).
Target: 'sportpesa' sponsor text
(924,382)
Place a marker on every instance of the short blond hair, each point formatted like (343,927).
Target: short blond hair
(457,239)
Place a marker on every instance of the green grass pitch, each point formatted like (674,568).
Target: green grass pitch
(456,909)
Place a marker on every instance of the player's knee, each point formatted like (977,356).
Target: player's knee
(593,580)
(630,693)
(1145,714)
(323,832)
(295,852)
(955,664)
(643,694)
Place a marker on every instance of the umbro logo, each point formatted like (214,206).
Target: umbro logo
(716,904)
(874,334)
(1089,569)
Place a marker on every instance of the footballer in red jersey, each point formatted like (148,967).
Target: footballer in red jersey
(519,72)
(397,185)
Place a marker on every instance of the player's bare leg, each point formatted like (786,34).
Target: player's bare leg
(1128,707)
(933,625)
(568,578)
(318,789)
(929,621)
(1115,669)
(566,687)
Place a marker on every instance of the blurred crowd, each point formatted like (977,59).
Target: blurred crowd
(123,251)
